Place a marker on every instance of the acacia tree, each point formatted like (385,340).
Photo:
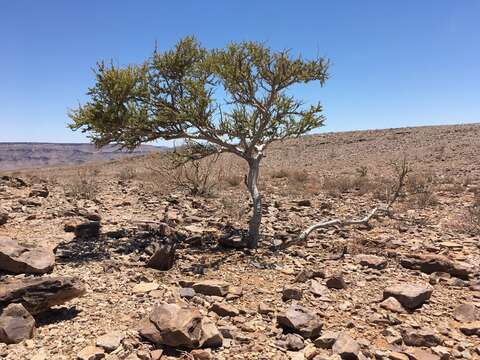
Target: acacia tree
(233,99)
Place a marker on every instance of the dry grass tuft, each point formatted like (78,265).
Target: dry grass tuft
(83,186)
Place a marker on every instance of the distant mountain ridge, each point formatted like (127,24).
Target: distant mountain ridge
(27,155)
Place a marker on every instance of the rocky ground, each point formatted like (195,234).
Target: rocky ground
(407,287)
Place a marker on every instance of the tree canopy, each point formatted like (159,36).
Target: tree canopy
(234,98)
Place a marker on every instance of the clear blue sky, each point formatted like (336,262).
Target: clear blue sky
(394,63)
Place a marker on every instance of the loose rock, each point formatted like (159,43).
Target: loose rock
(411,296)
(301,320)
(346,347)
(163,257)
(16,324)
(179,326)
(211,287)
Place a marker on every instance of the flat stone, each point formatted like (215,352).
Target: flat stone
(201,354)
(294,342)
(472,328)
(110,341)
(156,354)
(91,353)
(465,313)
(420,354)
(40,294)
(186,292)
(223,309)
(411,296)
(265,309)
(393,305)
(212,287)
(318,289)
(429,263)
(421,338)
(145,287)
(371,261)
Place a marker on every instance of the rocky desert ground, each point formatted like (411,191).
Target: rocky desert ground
(84,251)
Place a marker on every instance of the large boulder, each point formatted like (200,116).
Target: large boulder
(430,263)
(18,259)
(411,296)
(39,294)
(16,324)
(179,327)
(301,320)
(163,258)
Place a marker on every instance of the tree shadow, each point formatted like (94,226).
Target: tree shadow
(84,249)
(123,242)
(56,315)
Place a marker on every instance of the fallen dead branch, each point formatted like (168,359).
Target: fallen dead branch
(401,168)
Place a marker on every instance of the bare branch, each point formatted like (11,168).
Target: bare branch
(402,169)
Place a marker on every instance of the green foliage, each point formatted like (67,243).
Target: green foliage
(175,95)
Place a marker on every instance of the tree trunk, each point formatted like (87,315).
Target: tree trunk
(256,219)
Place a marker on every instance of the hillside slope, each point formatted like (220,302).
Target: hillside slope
(27,155)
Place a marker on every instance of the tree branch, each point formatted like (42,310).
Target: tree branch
(402,169)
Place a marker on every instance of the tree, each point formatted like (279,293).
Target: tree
(234,99)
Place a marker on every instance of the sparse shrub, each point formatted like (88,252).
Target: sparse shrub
(382,188)
(473,215)
(82,186)
(280,174)
(426,198)
(198,177)
(362,171)
(469,222)
(299,177)
(335,185)
(233,209)
(233,180)
(127,173)
(422,188)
